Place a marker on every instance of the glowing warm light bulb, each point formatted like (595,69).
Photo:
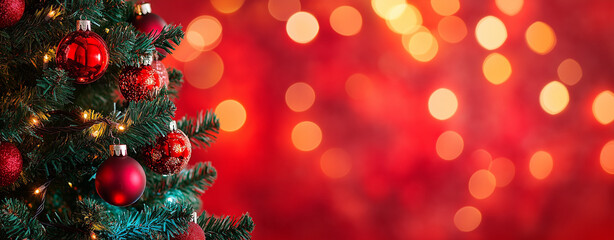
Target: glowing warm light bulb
(37,191)
(227,6)
(509,7)
(306,136)
(34,121)
(467,218)
(359,86)
(302,27)
(496,68)
(346,20)
(85,115)
(205,71)
(540,164)
(300,97)
(554,97)
(482,184)
(93,236)
(46,58)
(490,32)
(442,104)
(569,72)
(407,21)
(606,158)
(504,171)
(445,7)
(449,145)
(540,37)
(386,8)
(335,163)
(51,14)
(121,127)
(283,9)
(452,29)
(70,184)
(603,107)
(204,33)
(232,115)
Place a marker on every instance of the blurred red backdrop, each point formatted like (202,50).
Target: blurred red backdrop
(365,146)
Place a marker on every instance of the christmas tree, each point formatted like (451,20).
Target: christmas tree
(79,77)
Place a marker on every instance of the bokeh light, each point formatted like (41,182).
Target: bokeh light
(481,159)
(306,136)
(227,6)
(569,72)
(423,46)
(554,97)
(540,37)
(302,27)
(335,163)
(606,158)
(442,104)
(467,218)
(205,71)
(408,21)
(204,33)
(386,8)
(509,7)
(358,86)
(346,20)
(504,171)
(603,107)
(283,9)
(445,7)
(482,184)
(300,96)
(185,52)
(452,29)
(231,114)
(449,145)
(541,164)
(490,32)
(496,68)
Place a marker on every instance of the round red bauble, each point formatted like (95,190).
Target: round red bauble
(162,73)
(83,54)
(139,83)
(120,180)
(11,11)
(149,23)
(194,232)
(171,153)
(10,164)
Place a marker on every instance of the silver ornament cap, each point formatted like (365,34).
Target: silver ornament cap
(84,25)
(172,125)
(118,150)
(194,217)
(143,8)
(147,60)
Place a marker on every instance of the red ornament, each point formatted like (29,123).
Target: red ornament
(149,23)
(194,232)
(10,164)
(120,180)
(139,83)
(11,11)
(171,153)
(83,54)
(162,73)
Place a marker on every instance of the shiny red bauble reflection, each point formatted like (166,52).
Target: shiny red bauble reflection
(170,154)
(120,180)
(139,83)
(11,163)
(84,55)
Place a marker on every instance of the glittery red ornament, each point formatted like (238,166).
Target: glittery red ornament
(194,232)
(139,83)
(162,73)
(171,153)
(10,163)
(83,54)
(149,23)
(120,180)
(11,11)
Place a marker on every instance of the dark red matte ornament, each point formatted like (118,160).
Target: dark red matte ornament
(120,180)
(149,23)
(83,54)
(11,164)
(11,11)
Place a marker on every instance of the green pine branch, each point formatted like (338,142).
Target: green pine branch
(158,222)
(17,221)
(226,227)
(202,130)
(169,37)
(127,45)
(188,184)
(146,120)
(175,79)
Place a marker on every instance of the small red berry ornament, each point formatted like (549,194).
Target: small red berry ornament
(11,11)
(83,54)
(194,232)
(171,153)
(149,23)
(10,164)
(139,83)
(120,180)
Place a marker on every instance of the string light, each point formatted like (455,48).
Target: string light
(46,58)
(85,115)
(70,184)
(37,191)
(93,235)
(50,15)
(34,121)
(121,127)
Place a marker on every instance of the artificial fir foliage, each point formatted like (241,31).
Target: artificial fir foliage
(63,131)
